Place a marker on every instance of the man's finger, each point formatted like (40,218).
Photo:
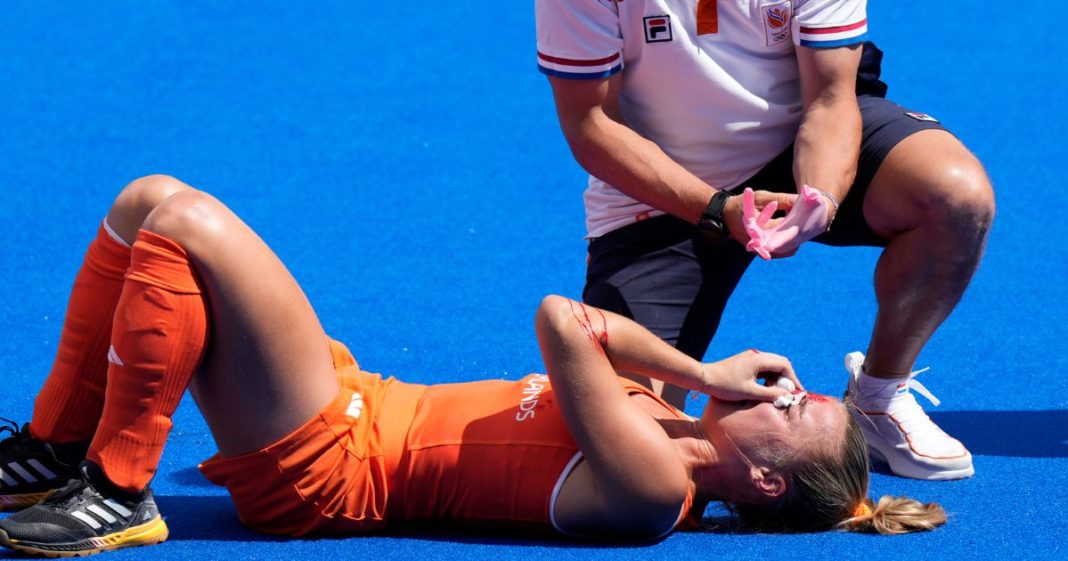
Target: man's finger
(748,204)
(766,214)
(786,201)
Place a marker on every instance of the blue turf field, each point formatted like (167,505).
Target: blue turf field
(406,164)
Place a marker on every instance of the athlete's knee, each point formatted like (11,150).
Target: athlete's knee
(188,217)
(138,199)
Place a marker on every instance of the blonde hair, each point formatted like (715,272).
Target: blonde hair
(825,491)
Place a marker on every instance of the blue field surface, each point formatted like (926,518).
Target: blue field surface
(404,160)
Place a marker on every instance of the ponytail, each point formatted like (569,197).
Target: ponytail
(894,515)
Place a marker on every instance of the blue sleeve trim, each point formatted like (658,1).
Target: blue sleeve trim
(580,75)
(837,43)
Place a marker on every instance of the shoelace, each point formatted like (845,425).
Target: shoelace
(913,384)
(71,493)
(911,417)
(907,409)
(17,435)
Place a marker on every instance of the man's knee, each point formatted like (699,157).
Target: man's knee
(961,195)
(138,199)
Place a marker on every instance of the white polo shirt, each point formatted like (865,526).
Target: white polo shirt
(714,83)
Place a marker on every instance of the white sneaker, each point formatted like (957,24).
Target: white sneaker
(899,432)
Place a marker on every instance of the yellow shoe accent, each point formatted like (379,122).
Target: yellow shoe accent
(18,502)
(150,533)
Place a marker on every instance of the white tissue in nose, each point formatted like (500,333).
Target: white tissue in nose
(784,401)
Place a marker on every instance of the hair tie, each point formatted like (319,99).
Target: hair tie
(862,509)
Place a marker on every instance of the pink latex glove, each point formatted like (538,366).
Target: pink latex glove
(809,218)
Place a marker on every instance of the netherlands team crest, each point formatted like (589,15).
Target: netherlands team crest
(777,22)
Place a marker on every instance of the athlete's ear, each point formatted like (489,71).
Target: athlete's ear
(767,482)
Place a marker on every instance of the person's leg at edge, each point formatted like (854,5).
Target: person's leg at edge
(268,368)
(44,455)
(267,352)
(68,407)
(932,201)
(267,347)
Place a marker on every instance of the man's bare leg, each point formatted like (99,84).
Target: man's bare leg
(932,200)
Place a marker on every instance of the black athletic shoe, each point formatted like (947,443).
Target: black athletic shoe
(31,469)
(87,516)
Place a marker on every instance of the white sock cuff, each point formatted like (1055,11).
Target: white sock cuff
(113,234)
(870,385)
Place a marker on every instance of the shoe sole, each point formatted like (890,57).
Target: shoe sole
(914,472)
(149,533)
(19,502)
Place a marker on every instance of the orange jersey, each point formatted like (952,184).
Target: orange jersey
(385,452)
(490,451)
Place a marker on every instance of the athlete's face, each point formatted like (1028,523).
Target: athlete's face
(818,422)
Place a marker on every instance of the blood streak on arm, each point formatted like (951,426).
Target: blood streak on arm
(599,341)
(604,330)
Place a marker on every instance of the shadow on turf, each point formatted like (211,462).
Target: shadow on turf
(212,518)
(1017,434)
(1023,434)
(206,518)
(191,477)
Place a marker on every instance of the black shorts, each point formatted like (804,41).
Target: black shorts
(662,273)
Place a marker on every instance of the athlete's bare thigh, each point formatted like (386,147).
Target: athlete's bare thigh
(267,368)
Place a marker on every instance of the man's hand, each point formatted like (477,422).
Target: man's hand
(810,216)
(738,378)
(733,214)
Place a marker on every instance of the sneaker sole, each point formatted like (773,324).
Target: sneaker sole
(19,502)
(916,472)
(149,533)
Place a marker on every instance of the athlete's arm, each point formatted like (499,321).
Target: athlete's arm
(640,479)
(828,142)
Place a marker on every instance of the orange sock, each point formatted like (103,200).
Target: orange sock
(68,407)
(159,333)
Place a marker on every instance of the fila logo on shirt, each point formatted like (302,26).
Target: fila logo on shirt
(657,29)
(777,23)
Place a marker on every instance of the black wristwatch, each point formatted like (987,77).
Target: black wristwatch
(711,221)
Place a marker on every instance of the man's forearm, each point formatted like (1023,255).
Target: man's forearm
(828,145)
(637,167)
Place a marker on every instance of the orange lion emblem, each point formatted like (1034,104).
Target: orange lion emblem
(778,17)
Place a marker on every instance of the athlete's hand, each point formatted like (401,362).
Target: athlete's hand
(734,211)
(739,377)
(810,216)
